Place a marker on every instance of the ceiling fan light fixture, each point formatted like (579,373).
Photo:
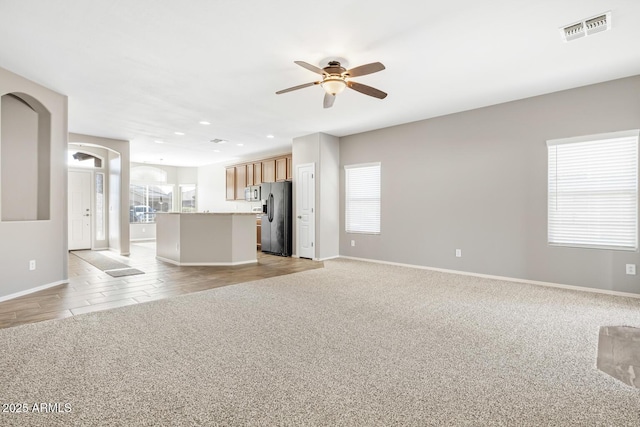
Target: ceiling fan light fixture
(333,85)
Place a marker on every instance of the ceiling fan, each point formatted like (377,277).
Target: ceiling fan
(335,78)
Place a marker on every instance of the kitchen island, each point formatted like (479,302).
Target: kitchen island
(206,238)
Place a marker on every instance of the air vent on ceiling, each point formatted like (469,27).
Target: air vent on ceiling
(586,27)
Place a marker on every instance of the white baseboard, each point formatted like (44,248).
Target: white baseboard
(32,290)
(205,264)
(327,258)
(503,278)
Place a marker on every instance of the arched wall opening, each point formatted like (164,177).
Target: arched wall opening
(25,159)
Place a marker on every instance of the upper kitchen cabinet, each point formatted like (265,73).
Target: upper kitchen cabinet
(281,169)
(257,173)
(241,181)
(231,183)
(269,171)
(250,179)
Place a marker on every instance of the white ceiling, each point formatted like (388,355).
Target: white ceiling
(141,70)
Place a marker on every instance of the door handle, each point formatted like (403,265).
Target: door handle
(86,215)
(299,216)
(271,201)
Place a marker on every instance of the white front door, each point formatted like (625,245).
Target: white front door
(305,210)
(79,211)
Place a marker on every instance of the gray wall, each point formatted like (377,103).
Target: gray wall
(477,181)
(19,155)
(43,241)
(324,151)
(328,193)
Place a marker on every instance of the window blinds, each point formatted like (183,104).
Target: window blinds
(593,191)
(362,199)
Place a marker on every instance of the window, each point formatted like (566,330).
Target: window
(149,194)
(100,205)
(362,200)
(187,198)
(593,191)
(147,200)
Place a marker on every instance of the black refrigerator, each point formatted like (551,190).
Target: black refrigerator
(276,220)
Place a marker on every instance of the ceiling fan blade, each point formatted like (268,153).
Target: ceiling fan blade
(362,70)
(310,67)
(297,87)
(328,100)
(367,90)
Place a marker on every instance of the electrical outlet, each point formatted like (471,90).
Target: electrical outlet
(631,269)
(458,253)
(32,265)
(353,243)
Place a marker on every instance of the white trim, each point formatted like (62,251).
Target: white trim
(188,264)
(595,137)
(327,258)
(32,290)
(362,165)
(503,278)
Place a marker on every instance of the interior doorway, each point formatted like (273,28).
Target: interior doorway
(305,210)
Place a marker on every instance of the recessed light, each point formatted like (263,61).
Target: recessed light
(240,145)
(216,151)
(204,122)
(270,136)
(179,133)
(158,142)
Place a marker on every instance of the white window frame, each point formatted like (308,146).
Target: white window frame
(592,191)
(360,219)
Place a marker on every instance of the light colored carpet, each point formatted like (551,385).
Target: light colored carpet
(351,344)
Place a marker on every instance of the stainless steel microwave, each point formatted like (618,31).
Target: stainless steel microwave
(252,193)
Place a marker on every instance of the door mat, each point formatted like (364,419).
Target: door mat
(120,272)
(105,263)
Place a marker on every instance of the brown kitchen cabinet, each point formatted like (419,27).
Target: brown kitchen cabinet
(281,169)
(269,171)
(250,178)
(259,230)
(231,183)
(241,181)
(257,173)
